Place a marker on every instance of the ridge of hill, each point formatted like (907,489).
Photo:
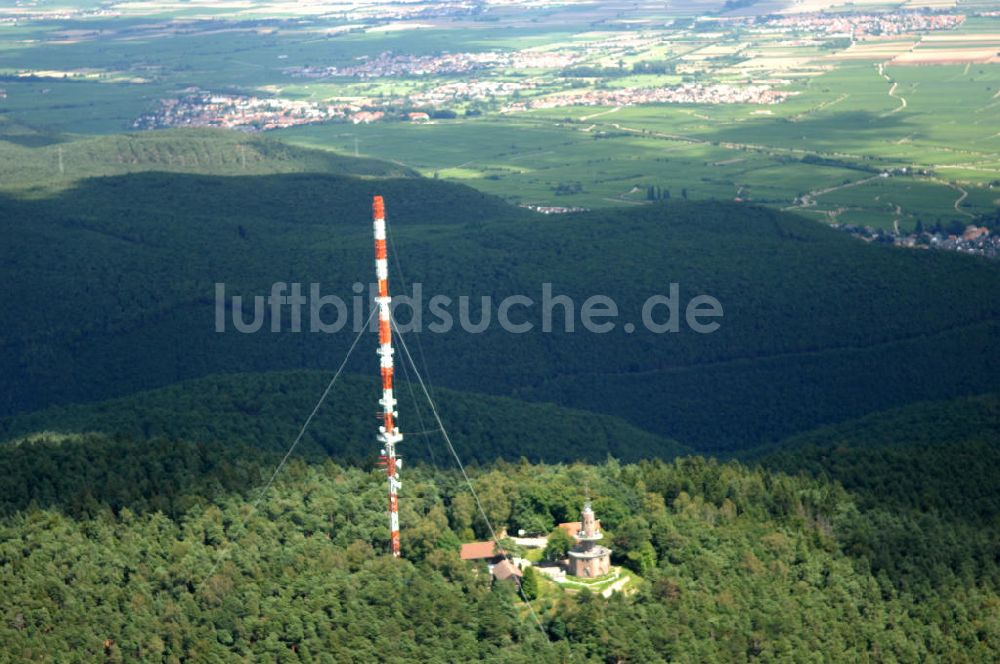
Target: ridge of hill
(116,283)
(970,418)
(937,456)
(35,163)
(265,411)
(917,472)
(746,555)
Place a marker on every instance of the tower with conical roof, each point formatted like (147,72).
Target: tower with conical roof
(588,558)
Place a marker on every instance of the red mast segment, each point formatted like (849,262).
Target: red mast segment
(388,434)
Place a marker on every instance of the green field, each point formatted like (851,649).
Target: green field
(844,117)
(849,117)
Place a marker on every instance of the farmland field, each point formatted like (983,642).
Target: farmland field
(844,116)
(550,120)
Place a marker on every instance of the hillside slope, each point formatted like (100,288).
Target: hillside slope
(265,411)
(938,456)
(117,277)
(917,472)
(733,564)
(34,163)
(973,418)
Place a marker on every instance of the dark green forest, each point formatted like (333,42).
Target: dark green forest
(873,552)
(925,476)
(737,564)
(265,411)
(816,481)
(115,279)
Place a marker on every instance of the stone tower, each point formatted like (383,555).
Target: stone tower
(588,558)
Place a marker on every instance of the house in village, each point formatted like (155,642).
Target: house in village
(486,551)
(500,567)
(507,571)
(587,558)
(367,117)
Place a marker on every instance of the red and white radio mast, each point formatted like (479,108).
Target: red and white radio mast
(388,432)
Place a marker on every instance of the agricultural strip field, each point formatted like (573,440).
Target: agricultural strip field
(844,123)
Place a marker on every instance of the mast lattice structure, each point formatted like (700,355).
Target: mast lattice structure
(388,432)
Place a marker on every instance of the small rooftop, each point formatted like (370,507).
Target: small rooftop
(505,570)
(478,551)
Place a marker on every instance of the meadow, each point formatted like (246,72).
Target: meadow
(844,123)
(851,115)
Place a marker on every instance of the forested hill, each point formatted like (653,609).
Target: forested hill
(925,476)
(37,163)
(728,564)
(265,411)
(116,279)
(137,439)
(973,418)
(938,457)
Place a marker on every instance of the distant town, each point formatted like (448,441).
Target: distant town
(205,109)
(532,78)
(686,93)
(249,113)
(387,64)
(976,240)
(859,26)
